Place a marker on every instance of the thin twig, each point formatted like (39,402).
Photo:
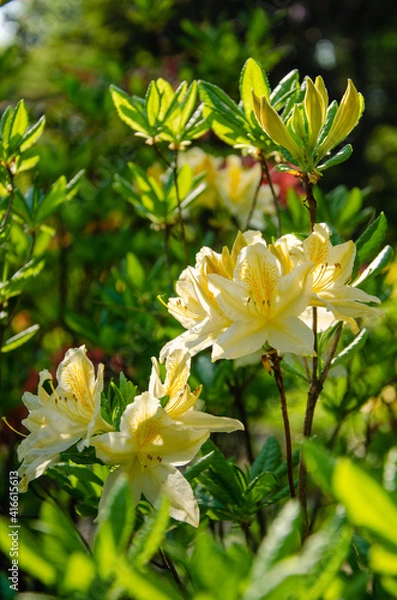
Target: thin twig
(275,362)
(178,198)
(315,389)
(171,567)
(161,156)
(11,201)
(274,195)
(310,201)
(256,194)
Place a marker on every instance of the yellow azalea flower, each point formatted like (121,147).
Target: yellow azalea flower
(203,163)
(147,450)
(196,307)
(263,305)
(237,187)
(337,300)
(182,403)
(70,414)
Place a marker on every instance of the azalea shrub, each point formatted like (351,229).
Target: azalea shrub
(217,418)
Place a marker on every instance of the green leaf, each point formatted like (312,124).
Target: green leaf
(140,586)
(19,123)
(72,186)
(226,129)
(19,280)
(79,573)
(166,95)
(351,349)
(338,158)
(32,135)
(350,206)
(252,78)
(367,503)
(268,458)
(377,265)
(150,536)
(371,239)
(198,467)
(282,539)
(50,202)
(225,117)
(118,515)
(19,339)
(320,464)
(29,560)
(26,161)
(134,271)
(285,90)
(188,103)
(5,125)
(21,207)
(130,111)
(152,104)
(261,486)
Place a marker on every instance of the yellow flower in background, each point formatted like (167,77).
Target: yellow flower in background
(183,405)
(336,299)
(202,163)
(147,450)
(263,305)
(69,414)
(237,187)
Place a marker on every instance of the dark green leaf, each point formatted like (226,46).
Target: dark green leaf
(268,459)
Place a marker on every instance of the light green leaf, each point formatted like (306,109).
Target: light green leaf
(29,560)
(16,284)
(337,158)
(252,78)
(150,536)
(79,574)
(152,104)
(72,186)
(32,135)
(367,503)
(5,125)
(377,265)
(26,161)
(140,586)
(19,123)
(285,90)
(52,199)
(188,103)
(166,95)
(370,241)
(351,349)
(383,560)
(130,111)
(19,339)
(118,519)
(198,467)
(282,539)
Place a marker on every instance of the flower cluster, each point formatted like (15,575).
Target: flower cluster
(257,296)
(153,439)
